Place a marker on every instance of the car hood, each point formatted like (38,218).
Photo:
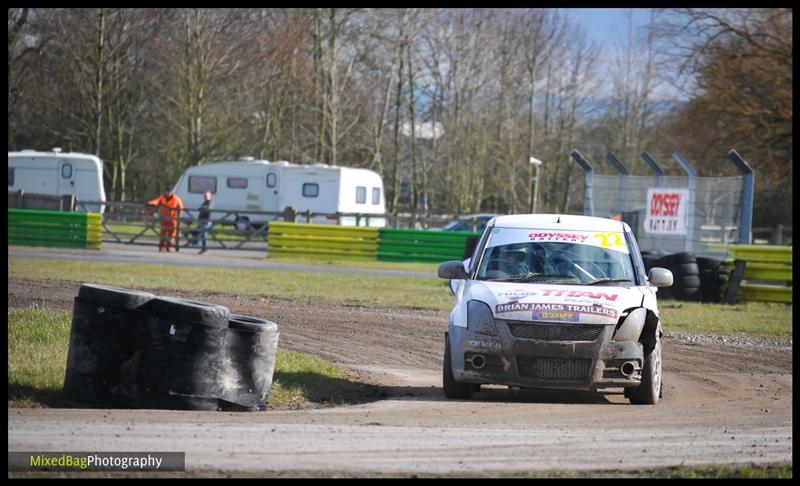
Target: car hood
(556,303)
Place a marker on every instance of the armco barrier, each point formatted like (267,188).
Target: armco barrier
(62,229)
(770,266)
(403,245)
(322,240)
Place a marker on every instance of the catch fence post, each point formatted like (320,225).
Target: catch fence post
(588,200)
(746,215)
(692,228)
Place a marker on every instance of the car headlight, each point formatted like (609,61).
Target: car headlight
(632,325)
(480,318)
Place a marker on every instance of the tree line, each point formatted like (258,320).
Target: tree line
(448,105)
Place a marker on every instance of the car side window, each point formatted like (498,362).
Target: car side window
(479,250)
(636,259)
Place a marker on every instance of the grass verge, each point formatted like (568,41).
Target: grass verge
(762,319)
(409,292)
(38,340)
(343,263)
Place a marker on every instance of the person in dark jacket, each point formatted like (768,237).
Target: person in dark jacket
(203,222)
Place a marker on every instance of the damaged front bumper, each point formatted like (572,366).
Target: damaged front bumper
(545,355)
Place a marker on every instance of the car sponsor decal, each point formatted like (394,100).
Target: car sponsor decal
(558,236)
(493,345)
(556,316)
(559,311)
(512,307)
(578,293)
(611,240)
(517,294)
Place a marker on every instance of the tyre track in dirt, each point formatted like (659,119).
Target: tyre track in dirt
(721,403)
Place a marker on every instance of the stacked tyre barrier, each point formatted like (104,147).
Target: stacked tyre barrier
(138,350)
(699,279)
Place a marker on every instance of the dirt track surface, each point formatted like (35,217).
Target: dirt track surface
(720,405)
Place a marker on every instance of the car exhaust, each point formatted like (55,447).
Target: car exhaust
(478,361)
(627,368)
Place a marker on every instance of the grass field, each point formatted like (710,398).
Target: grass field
(338,262)
(764,319)
(38,340)
(755,318)
(430,293)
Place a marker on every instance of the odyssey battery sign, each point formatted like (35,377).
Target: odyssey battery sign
(666,211)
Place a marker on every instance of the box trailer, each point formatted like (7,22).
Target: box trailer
(57,174)
(260,185)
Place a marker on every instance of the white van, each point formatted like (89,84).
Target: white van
(260,185)
(57,174)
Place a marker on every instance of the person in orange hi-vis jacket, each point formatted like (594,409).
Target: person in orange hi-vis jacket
(169,209)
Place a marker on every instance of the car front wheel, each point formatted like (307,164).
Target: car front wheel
(649,391)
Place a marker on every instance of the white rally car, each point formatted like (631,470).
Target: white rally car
(558,302)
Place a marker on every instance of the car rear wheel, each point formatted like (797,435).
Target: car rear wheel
(649,391)
(452,388)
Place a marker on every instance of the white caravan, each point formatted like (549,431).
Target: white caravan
(260,185)
(58,174)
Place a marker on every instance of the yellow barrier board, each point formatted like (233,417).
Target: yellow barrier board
(765,293)
(761,253)
(322,239)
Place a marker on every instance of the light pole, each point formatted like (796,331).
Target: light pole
(536,163)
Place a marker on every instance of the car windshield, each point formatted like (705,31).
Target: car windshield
(575,257)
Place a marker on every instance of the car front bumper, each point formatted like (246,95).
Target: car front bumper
(545,355)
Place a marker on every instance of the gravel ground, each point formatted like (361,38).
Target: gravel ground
(725,401)
(743,340)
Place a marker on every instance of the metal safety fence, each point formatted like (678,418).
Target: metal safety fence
(136,223)
(674,213)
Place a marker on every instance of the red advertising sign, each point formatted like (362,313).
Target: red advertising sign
(666,211)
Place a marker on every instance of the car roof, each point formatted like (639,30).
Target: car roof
(559,222)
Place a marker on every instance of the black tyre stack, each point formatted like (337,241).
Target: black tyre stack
(686,275)
(137,350)
(694,278)
(712,279)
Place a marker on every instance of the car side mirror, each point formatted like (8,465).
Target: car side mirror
(660,277)
(453,269)
(455,282)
